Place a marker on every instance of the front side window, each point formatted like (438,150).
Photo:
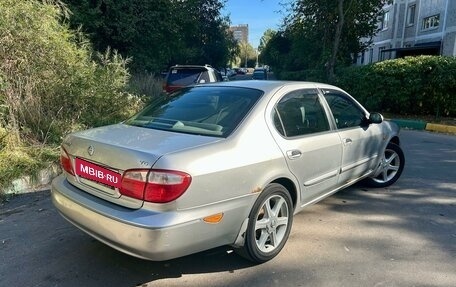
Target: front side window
(211,111)
(300,113)
(346,113)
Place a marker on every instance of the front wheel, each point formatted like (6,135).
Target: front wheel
(269,224)
(391,166)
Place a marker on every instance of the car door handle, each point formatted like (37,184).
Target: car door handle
(347,141)
(294,154)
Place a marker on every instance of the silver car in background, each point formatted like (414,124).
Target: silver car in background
(221,164)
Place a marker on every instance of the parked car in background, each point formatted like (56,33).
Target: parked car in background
(260,74)
(240,71)
(237,71)
(229,72)
(221,164)
(180,76)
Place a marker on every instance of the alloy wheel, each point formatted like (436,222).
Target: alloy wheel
(271,223)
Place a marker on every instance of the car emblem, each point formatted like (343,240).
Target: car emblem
(90,150)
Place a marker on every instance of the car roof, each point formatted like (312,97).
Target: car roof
(268,86)
(191,67)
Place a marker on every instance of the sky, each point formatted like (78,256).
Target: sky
(260,15)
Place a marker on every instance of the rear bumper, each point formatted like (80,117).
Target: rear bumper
(142,233)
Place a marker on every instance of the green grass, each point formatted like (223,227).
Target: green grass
(17,162)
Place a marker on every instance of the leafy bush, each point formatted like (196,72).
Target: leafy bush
(51,83)
(303,75)
(148,85)
(423,85)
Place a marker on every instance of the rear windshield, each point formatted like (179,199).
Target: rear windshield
(212,111)
(184,77)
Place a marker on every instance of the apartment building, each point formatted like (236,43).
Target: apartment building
(240,32)
(414,27)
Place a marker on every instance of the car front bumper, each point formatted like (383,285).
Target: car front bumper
(169,234)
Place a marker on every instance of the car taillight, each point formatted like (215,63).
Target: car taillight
(65,161)
(158,186)
(134,183)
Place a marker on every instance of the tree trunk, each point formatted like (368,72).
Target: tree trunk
(340,23)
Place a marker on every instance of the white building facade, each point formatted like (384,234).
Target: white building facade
(414,27)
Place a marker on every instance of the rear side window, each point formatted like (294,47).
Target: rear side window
(300,113)
(212,111)
(185,77)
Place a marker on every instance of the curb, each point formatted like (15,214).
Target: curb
(39,182)
(421,125)
(441,128)
(410,124)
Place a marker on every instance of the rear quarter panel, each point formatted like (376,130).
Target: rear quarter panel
(237,167)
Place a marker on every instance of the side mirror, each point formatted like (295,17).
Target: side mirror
(202,81)
(375,118)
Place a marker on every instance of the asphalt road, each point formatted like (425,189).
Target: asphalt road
(404,235)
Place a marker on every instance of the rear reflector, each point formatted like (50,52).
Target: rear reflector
(216,218)
(158,186)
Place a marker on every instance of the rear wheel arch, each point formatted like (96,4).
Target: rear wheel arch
(395,140)
(291,187)
(269,223)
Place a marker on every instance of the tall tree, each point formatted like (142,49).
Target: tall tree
(246,53)
(267,36)
(333,28)
(157,33)
(142,29)
(204,31)
(276,51)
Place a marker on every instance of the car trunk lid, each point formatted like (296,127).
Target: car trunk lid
(100,156)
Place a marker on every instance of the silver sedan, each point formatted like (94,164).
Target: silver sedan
(221,164)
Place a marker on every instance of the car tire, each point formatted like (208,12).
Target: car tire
(391,166)
(269,224)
